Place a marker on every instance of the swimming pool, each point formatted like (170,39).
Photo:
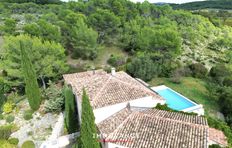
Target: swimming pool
(173,99)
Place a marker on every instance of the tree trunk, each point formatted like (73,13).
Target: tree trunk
(43,82)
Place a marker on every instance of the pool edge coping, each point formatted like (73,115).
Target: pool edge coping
(161,87)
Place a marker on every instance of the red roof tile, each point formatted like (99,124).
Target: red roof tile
(105,89)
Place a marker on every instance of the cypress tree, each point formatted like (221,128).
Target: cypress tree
(71,116)
(32,88)
(88,138)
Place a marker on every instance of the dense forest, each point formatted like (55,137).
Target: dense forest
(218,11)
(148,41)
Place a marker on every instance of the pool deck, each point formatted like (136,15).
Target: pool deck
(197,108)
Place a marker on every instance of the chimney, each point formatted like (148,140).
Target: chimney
(113,71)
(128,106)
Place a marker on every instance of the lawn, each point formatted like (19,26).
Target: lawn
(194,89)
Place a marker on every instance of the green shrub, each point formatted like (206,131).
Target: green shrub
(166,108)
(116,60)
(227,81)
(214,146)
(14,97)
(219,72)
(2,98)
(198,70)
(142,67)
(6,144)
(14,141)
(55,99)
(5,131)
(52,91)
(8,107)
(28,144)
(10,118)
(30,133)
(54,105)
(27,115)
(1,117)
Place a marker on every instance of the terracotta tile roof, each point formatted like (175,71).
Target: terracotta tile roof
(111,123)
(151,128)
(177,116)
(218,137)
(105,89)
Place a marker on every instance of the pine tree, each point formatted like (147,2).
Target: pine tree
(88,138)
(71,116)
(32,88)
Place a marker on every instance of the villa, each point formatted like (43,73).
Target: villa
(125,116)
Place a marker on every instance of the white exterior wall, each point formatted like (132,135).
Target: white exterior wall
(78,101)
(146,102)
(211,142)
(105,112)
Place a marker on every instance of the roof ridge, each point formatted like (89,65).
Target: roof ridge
(121,124)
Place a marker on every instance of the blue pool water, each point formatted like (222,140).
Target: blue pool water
(174,100)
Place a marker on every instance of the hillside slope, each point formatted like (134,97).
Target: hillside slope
(210,4)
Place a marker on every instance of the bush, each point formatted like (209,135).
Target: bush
(166,108)
(10,118)
(5,131)
(28,144)
(8,107)
(227,81)
(116,60)
(198,70)
(14,141)
(52,91)
(142,67)
(27,115)
(225,102)
(1,117)
(214,146)
(3,90)
(14,97)
(55,99)
(219,73)
(54,105)
(6,144)
(176,77)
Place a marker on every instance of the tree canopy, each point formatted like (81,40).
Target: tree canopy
(48,58)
